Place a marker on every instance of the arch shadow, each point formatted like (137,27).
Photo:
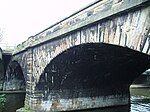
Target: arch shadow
(92,69)
(14,78)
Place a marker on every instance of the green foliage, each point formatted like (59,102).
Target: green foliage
(26,108)
(2,100)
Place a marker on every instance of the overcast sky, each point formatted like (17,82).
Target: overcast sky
(20,19)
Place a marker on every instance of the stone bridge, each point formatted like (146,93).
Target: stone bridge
(88,60)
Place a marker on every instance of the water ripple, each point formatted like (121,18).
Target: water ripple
(140,104)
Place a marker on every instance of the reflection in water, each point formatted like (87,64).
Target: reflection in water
(113,109)
(138,104)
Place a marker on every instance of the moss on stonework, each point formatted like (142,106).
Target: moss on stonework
(26,108)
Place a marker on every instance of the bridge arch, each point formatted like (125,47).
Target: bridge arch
(123,26)
(14,77)
(83,71)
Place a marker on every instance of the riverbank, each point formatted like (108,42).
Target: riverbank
(11,100)
(136,90)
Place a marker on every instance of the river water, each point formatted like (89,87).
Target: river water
(140,104)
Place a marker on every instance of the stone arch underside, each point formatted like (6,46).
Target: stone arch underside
(89,71)
(14,78)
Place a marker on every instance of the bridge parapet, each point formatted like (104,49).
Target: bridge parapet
(96,11)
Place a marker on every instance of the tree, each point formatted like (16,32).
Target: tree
(1,34)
